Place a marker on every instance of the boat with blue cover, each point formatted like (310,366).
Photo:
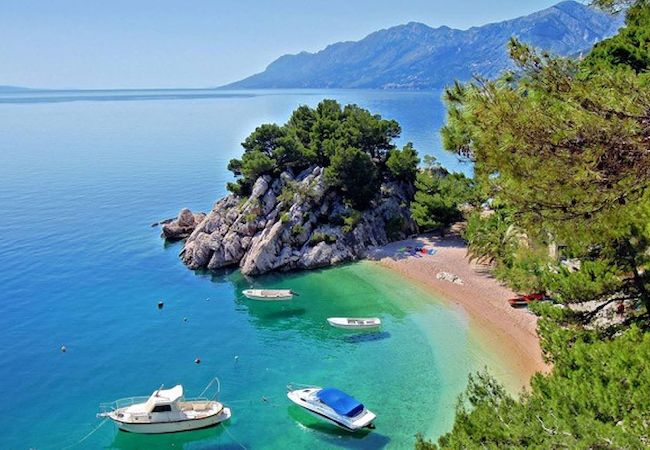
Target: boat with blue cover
(334,406)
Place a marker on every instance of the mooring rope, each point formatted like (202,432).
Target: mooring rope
(86,436)
(234,438)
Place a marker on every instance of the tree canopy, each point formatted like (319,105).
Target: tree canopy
(562,150)
(355,147)
(567,157)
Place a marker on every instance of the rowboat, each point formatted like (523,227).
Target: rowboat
(334,406)
(355,322)
(268,294)
(165,411)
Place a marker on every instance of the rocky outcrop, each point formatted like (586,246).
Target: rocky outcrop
(182,226)
(294,222)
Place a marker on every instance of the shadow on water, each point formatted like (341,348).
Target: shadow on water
(216,437)
(326,432)
(285,313)
(367,337)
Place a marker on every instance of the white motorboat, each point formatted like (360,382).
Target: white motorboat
(165,411)
(334,406)
(269,294)
(359,323)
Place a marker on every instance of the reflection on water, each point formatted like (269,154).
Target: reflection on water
(367,337)
(331,434)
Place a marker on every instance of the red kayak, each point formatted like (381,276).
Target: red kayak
(525,300)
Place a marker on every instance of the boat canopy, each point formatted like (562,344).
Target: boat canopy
(170,395)
(340,402)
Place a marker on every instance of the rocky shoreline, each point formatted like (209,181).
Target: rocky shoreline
(291,222)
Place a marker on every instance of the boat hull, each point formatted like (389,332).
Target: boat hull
(280,296)
(176,426)
(370,324)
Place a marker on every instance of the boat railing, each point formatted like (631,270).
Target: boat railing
(213,397)
(295,386)
(107,407)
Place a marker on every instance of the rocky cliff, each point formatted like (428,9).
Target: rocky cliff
(293,222)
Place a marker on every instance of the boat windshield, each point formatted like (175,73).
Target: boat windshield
(340,402)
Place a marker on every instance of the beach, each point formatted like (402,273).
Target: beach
(506,331)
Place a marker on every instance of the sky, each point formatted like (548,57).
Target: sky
(200,43)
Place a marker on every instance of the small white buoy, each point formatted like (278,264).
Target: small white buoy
(184,319)
(160,305)
(63,349)
(197,361)
(236,359)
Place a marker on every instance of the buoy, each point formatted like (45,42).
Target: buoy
(236,359)
(197,361)
(264,399)
(160,305)
(63,349)
(184,319)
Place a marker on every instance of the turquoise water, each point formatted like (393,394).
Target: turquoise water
(82,177)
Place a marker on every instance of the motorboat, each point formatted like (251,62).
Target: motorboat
(269,294)
(334,406)
(165,411)
(355,322)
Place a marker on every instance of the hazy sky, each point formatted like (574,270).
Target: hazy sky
(199,43)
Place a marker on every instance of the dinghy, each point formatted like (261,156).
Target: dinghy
(334,406)
(357,323)
(165,411)
(268,294)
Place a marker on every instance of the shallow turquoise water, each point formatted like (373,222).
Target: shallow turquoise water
(80,183)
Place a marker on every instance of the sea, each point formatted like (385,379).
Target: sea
(85,175)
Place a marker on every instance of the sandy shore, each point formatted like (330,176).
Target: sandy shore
(509,332)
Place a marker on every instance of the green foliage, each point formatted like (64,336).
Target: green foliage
(596,397)
(524,267)
(566,157)
(354,174)
(285,218)
(561,148)
(438,197)
(403,164)
(594,279)
(352,144)
(317,237)
(297,229)
(629,49)
(351,220)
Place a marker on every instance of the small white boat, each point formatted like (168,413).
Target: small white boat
(165,411)
(334,406)
(359,323)
(268,294)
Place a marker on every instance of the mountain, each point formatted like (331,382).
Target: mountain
(416,56)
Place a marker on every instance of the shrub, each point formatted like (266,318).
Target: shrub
(318,237)
(351,220)
(354,174)
(297,229)
(403,164)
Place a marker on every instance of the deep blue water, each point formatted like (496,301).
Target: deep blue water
(83,176)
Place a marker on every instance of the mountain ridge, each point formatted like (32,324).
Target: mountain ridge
(417,56)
